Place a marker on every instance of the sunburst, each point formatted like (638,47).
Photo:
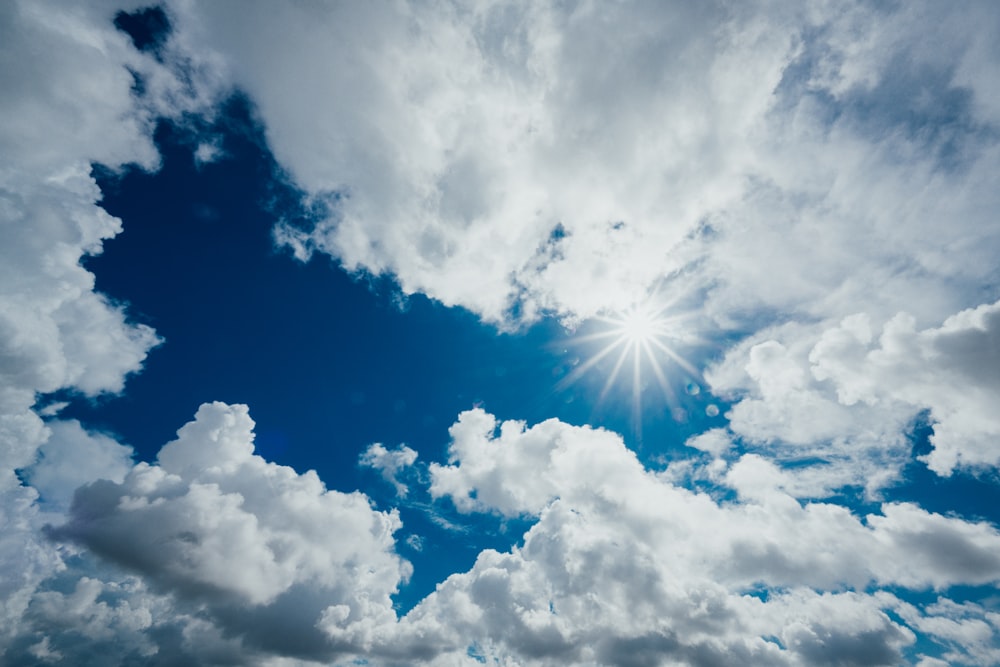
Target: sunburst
(641,337)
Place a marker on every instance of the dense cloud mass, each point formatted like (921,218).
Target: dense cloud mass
(67,106)
(821,180)
(269,551)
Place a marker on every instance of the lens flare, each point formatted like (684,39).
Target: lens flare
(639,337)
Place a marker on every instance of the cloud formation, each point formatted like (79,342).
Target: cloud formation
(623,567)
(844,394)
(766,162)
(70,79)
(255,541)
(390,463)
(817,178)
(68,103)
(565,158)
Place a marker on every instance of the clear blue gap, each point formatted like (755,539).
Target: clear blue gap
(148,28)
(974,495)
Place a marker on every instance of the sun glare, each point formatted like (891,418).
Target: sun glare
(636,340)
(639,325)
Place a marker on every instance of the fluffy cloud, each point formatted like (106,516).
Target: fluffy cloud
(70,101)
(968,630)
(522,158)
(495,156)
(71,457)
(625,568)
(950,370)
(535,157)
(840,395)
(269,551)
(622,567)
(592,472)
(390,463)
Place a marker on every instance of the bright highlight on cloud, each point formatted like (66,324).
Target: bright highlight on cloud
(813,191)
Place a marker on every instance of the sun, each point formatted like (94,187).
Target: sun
(638,325)
(641,341)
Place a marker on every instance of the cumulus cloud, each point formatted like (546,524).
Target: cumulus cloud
(68,103)
(770,160)
(71,457)
(256,542)
(841,394)
(621,566)
(494,157)
(581,467)
(625,568)
(70,81)
(950,370)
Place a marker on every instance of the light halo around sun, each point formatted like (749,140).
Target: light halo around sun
(641,340)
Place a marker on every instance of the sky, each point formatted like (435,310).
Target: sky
(499,333)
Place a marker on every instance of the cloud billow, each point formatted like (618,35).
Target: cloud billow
(817,178)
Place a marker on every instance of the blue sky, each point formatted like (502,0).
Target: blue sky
(499,333)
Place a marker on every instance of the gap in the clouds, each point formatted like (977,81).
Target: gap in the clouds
(148,28)
(925,644)
(973,495)
(329,363)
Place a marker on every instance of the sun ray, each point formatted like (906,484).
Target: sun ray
(654,363)
(613,375)
(579,371)
(644,336)
(681,361)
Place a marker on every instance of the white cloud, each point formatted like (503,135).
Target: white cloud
(389,463)
(969,631)
(252,540)
(622,566)
(950,370)
(68,102)
(844,392)
(822,142)
(461,138)
(818,544)
(208,152)
(71,457)
(622,563)
(525,158)
(89,620)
